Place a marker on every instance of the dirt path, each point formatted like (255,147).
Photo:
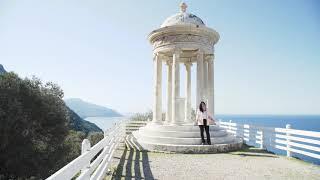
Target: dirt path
(251,163)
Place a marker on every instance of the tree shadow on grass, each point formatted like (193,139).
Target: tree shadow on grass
(129,166)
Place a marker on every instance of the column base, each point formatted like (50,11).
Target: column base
(188,122)
(157,122)
(167,122)
(177,123)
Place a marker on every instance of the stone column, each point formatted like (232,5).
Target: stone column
(199,78)
(188,93)
(157,104)
(169,91)
(211,85)
(205,81)
(175,87)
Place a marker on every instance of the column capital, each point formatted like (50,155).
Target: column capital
(210,57)
(200,57)
(169,62)
(210,61)
(200,51)
(188,64)
(177,51)
(155,56)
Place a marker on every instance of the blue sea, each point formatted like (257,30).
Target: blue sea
(301,122)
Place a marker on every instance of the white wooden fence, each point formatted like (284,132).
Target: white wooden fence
(83,168)
(290,140)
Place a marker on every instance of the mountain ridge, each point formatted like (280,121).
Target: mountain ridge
(2,70)
(86,109)
(79,124)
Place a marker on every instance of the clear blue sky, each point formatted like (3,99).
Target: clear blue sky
(267,60)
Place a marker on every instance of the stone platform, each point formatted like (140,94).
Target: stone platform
(249,163)
(182,139)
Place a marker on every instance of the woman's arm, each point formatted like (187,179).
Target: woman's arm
(212,119)
(197,115)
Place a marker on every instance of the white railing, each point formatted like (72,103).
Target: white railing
(290,140)
(83,168)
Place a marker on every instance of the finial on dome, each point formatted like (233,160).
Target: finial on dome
(183,7)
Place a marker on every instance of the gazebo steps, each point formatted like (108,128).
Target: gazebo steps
(181,134)
(181,140)
(181,128)
(235,144)
(134,126)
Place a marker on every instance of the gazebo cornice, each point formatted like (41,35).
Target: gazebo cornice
(184,29)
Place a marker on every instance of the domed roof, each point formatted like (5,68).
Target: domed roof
(183,18)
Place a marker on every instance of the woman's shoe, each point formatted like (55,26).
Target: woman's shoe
(209,143)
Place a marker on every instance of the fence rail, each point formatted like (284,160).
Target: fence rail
(290,140)
(93,161)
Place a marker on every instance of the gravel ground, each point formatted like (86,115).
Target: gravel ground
(250,163)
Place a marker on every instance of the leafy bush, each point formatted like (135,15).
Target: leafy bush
(38,133)
(33,126)
(95,137)
(148,116)
(142,116)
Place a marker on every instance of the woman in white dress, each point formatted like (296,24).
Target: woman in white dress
(204,120)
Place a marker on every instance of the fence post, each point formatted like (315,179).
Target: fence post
(262,137)
(243,132)
(246,127)
(236,130)
(105,133)
(288,127)
(85,147)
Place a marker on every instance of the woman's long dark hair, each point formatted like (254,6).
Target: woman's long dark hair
(200,107)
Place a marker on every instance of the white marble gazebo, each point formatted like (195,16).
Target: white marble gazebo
(182,39)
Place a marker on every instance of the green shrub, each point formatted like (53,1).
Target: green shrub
(33,127)
(95,137)
(38,133)
(142,116)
